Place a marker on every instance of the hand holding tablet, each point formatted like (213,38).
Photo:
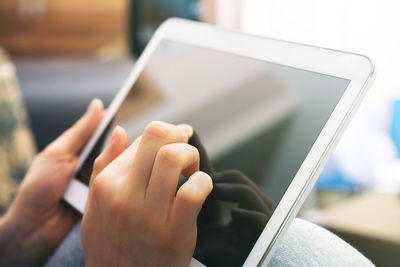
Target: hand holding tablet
(133,217)
(271,109)
(37,221)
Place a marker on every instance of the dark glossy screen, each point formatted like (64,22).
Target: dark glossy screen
(255,123)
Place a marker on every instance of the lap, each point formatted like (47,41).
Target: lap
(304,244)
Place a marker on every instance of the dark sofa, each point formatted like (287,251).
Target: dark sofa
(58,90)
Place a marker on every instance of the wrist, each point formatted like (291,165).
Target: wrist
(19,243)
(11,240)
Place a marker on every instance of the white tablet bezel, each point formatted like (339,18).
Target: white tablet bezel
(356,68)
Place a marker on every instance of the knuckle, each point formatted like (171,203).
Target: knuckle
(190,197)
(157,129)
(54,149)
(98,162)
(169,155)
(194,151)
(118,206)
(100,185)
(51,148)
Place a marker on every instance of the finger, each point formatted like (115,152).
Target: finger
(205,162)
(188,202)
(242,194)
(73,139)
(115,147)
(187,129)
(237,177)
(122,165)
(156,135)
(117,171)
(171,161)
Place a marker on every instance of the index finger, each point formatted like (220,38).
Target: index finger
(156,135)
(188,202)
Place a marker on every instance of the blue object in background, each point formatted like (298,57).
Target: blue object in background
(395,129)
(331,179)
(147,15)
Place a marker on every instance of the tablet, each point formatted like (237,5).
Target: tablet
(271,109)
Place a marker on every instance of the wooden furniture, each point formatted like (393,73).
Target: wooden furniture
(370,222)
(65,27)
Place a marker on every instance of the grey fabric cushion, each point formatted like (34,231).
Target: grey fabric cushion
(306,244)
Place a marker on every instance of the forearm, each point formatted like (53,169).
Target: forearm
(19,245)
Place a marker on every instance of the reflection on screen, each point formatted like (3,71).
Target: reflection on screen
(255,123)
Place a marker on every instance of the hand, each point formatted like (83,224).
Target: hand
(134,216)
(37,221)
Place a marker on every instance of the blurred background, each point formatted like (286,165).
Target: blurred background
(57,55)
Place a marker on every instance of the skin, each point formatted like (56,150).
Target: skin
(134,216)
(37,221)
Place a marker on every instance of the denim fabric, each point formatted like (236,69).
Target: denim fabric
(70,251)
(304,244)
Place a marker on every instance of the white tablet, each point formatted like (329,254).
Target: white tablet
(271,109)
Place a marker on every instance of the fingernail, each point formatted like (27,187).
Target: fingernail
(95,104)
(187,129)
(114,133)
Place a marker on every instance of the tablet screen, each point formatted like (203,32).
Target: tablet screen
(255,117)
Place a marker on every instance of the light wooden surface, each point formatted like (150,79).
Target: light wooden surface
(374,215)
(66,27)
